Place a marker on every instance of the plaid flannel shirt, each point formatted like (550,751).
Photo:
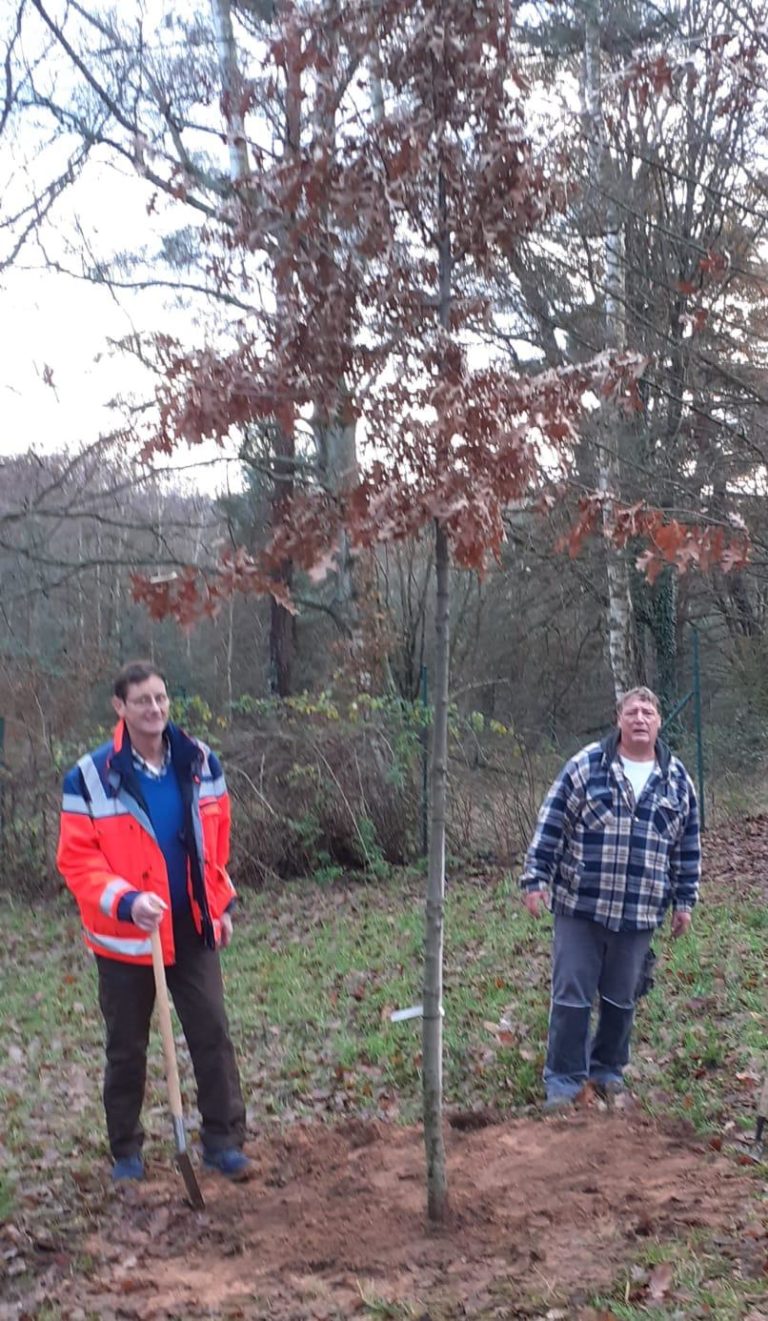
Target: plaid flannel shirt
(605,857)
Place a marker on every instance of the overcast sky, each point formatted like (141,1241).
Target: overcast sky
(58,328)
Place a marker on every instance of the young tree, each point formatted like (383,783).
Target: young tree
(433,185)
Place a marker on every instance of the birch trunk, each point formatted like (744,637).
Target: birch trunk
(336,444)
(231,90)
(611,301)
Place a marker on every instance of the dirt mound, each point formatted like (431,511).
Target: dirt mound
(332,1223)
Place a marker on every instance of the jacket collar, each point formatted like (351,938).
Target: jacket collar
(185,751)
(610,747)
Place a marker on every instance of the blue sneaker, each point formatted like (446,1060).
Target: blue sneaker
(128,1167)
(231,1162)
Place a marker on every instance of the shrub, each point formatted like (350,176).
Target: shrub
(321,789)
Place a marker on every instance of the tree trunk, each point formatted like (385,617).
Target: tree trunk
(231,90)
(336,444)
(281,630)
(610,299)
(230,654)
(280,648)
(282,634)
(432,1026)
(664,614)
(335,426)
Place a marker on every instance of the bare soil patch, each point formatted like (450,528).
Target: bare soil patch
(543,1212)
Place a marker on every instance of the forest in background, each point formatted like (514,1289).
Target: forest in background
(645,149)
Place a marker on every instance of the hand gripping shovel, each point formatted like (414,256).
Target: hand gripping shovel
(172,1075)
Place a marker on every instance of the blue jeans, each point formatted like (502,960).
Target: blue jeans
(590,960)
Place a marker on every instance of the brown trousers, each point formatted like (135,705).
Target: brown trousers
(127,996)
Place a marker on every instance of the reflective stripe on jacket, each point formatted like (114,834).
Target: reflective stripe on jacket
(107,846)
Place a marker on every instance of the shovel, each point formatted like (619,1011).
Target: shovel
(762,1117)
(172,1076)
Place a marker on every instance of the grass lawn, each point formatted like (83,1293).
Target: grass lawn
(312,977)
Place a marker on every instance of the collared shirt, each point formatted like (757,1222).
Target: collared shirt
(155,772)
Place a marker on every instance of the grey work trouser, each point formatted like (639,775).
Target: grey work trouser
(590,960)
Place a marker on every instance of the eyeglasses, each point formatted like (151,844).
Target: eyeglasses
(148,701)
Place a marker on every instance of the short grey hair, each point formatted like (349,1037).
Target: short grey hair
(647,695)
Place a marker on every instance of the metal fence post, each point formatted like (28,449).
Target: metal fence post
(697,717)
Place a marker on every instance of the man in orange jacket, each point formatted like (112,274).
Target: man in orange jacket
(143,846)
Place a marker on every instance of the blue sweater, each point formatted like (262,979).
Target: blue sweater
(166,812)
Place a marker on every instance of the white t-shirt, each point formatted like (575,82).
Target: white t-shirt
(638,773)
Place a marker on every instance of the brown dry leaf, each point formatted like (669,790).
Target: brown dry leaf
(660,1281)
(130,1284)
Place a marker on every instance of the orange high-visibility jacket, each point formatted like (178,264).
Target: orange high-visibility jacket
(107,847)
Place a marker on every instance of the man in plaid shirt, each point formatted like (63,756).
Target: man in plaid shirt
(616,844)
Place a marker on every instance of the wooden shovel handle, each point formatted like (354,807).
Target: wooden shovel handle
(762,1104)
(166,1030)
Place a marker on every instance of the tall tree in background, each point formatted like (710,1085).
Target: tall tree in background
(607,230)
(692,225)
(660,248)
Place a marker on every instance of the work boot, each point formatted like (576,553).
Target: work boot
(608,1087)
(231,1162)
(128,1167)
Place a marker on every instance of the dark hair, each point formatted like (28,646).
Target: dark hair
(135,671)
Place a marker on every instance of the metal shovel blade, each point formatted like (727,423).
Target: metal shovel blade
(185,1165)
(190,1180)
(758,1150)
